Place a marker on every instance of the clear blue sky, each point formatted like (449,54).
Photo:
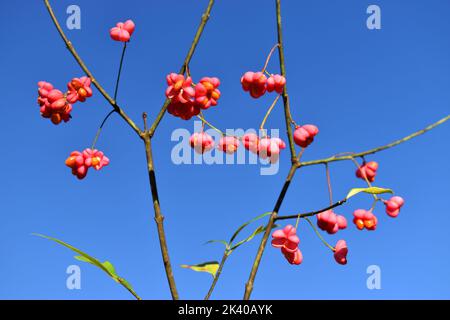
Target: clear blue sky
(362,88)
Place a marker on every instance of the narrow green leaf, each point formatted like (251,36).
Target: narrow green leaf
(236,233)
(86,257)
(106,266)
(218,241)
(259,230)
(210,267)
(249,238)
(371,190)
(81,258)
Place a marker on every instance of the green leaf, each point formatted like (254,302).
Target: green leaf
(236,233)
(218,241)
(249,238)
(371,190)
(106,266)
(210,267)
(85,257)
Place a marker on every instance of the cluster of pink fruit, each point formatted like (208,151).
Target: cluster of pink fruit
(287,240)
(257,84)
(187,99)
(265,147)
(56,105)
(331,222)
(80,162)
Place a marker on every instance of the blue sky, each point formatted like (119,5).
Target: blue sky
(362,88)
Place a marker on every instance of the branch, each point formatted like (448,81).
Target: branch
(159,218)
(217,275)
(80,62)
(262,245)
(287,110)
(185,65)
(375,150)
(313,213)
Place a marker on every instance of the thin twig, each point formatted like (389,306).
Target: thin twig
(116,90)
(97,135)
(269,56)
(287,108)
(375,150)
(217,275)
(261,127)
(201,117)
(319,235)
(330,189)
(313,213)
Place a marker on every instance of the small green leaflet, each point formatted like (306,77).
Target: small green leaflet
(246,224)
(106,266)
(371,190)
(218,241)
(210,267)
(259,230)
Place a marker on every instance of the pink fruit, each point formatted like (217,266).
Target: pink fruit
(276,83)
(331,222)
(122,31)
(393,206)
(255,83)
(295,257)
(367,171)
(340,252)
(304,135)
(79,89)
(53,104)
(179,88)
(182,110)
(251,142)
(80,162)
(201,142)
(286,239)
(228,144)
(76,162)
(206,92)
(268,147)
(365,219)
(95,159)
(281,144)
